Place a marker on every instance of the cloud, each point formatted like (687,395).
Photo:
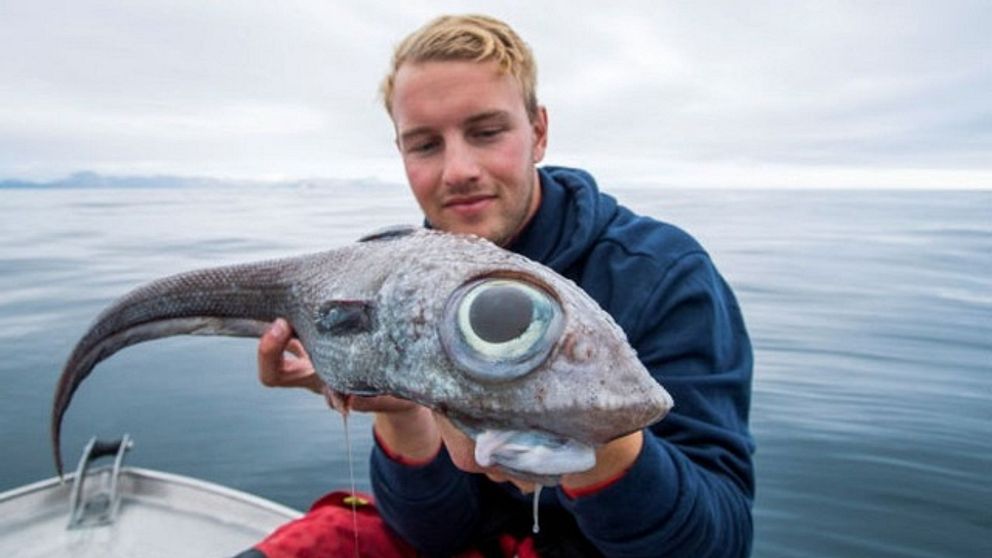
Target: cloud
(785,91)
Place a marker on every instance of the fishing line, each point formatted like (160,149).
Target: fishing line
(351,475)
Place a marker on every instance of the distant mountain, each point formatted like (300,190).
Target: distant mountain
(88,179)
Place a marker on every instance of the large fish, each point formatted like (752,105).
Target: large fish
(515,355)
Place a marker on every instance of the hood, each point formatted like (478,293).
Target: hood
(572,215)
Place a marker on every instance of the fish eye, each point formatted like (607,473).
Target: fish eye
(500,329)
(497,313)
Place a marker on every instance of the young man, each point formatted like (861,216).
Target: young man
(461,95)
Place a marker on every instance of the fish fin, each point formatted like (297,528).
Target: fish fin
(344,317)
(389,233)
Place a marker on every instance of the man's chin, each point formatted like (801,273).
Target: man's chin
(462,226)
(491,229)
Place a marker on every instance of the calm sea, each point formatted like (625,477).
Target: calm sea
(871,314)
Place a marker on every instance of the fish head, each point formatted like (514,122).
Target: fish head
(497,342)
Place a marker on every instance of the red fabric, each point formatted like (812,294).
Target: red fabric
(328,530)
(574,493)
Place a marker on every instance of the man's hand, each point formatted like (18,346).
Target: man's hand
(405,428)
(612,460)
(282,361)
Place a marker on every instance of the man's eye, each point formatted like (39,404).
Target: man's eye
(487,133)
(423,147)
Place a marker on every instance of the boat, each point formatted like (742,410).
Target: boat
(113,510)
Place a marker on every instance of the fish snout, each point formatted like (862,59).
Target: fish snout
(597,408)
(632,407)
(611,393)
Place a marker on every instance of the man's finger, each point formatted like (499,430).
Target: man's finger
(295,347)
(270,348)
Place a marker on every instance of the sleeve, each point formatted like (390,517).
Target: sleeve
(435,507)
(689,492)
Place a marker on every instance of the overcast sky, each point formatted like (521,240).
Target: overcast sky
(735,93)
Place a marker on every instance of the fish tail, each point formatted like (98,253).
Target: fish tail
(239,301)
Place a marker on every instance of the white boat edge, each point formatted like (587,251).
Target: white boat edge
(164,477)
(161,514)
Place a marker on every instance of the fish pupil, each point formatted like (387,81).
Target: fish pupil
(500,314)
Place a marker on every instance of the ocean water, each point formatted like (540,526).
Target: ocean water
(870,312)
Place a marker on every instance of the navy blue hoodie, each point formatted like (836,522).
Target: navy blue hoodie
(689,492)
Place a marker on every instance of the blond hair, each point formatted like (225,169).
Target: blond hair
(474,38)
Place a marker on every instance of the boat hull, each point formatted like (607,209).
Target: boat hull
(160,514)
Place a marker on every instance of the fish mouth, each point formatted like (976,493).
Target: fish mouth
(529,455)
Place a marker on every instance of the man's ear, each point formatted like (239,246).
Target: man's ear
(540,129)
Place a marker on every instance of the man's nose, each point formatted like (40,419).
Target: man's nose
(460,164)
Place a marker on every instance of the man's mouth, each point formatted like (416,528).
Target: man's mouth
(469,205)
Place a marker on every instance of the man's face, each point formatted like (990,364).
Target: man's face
(468,147)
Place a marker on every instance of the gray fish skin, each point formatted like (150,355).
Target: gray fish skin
(590,388)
